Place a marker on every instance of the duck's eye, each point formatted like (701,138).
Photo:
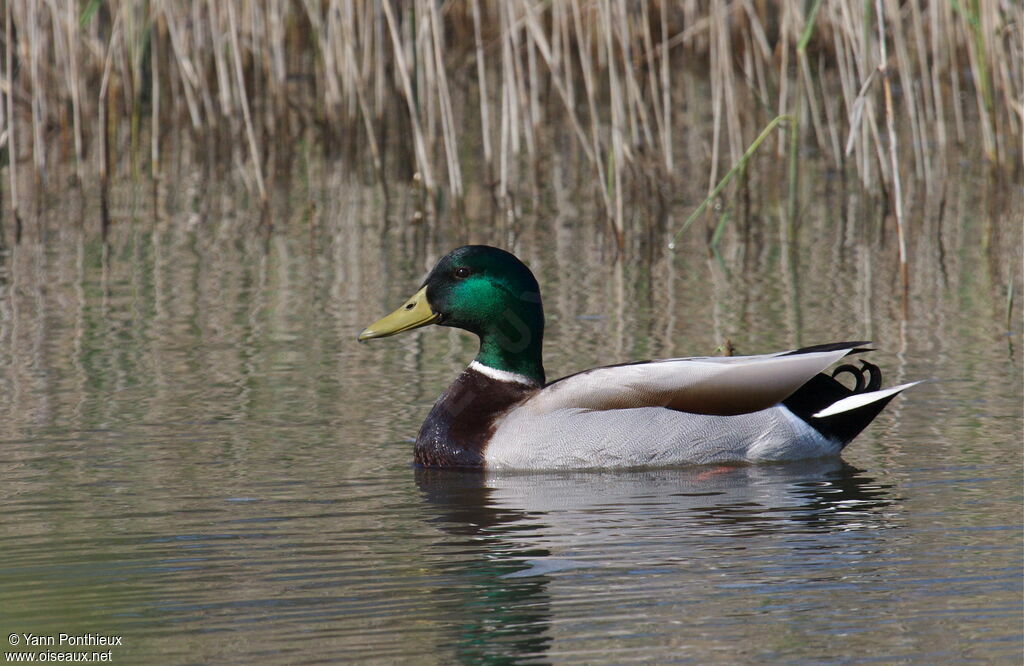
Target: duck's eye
(462,272)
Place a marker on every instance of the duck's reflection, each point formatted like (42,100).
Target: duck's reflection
(494,616)
(518,530)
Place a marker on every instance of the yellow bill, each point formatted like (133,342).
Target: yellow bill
(414,313)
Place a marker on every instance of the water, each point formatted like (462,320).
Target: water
(198,457)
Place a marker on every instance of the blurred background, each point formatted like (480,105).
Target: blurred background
(476,107)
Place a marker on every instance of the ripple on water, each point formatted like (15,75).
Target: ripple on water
(197,456)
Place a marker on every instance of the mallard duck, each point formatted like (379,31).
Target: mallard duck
(501,413)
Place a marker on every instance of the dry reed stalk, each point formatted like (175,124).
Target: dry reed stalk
(326,68)
(509,133)
(763,50)
(666,86)
(12,135)
(533,75)
(35,45)
(70,22)
(808,92)
(131,75)
(748,69)
(909,83)
(592,148)
(716,96)
(793,173)
(104,128)
(690,37)
(953,70)
(977,58)
(188,79)
(338,37)
(728,72)
(379,60)
(935,79)
(215,19)
(863,124)
(571,50)
(370,41)
(221,67)
(855,41)
(403,72)
(848,88)
(633,81)
(923,70)
(662,85)
(561,46)
(652,73)
(364,107)
(783,77)
(919,74)
(481,75)
(525,126)
(636,117)
(583,49)
(1011,84)
(617,156)
(832,123)
(250,133)
(606,51)
(890,120)
(276,65)
(154,130)
(423,76)
(444,97)
(561,84)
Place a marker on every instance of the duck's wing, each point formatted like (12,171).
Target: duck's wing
(720,385)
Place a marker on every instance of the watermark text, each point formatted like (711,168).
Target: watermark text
(59,648)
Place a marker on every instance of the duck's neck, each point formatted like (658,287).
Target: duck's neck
(515,350)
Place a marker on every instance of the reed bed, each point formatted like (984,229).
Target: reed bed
(452,94)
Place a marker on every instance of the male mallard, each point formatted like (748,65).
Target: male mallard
(500,414)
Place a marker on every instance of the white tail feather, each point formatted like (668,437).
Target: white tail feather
(859,400)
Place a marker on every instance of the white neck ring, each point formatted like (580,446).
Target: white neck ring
(501,375)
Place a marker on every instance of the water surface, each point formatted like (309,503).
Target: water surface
(199,457)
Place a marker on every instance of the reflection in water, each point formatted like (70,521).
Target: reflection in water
(524,532)
(493,618)
(194,446)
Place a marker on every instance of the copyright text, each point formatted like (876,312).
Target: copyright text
(59,641)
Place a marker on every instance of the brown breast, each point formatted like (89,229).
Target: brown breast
(456,432)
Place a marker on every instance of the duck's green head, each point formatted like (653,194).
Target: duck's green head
(485,291)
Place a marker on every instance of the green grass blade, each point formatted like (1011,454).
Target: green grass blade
(805,36)
(742,162)
(90,10)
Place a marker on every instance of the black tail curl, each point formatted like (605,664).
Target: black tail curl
(824,390)
(874,381)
